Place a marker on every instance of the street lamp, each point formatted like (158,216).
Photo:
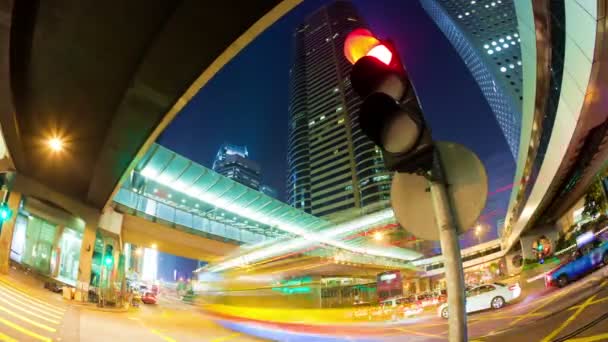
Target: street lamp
(378,236)
(56,144)
(478,231)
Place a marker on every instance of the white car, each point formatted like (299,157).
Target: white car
(488,296)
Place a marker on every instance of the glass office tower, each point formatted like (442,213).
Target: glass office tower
(332,166)
(485,35)
(233,162)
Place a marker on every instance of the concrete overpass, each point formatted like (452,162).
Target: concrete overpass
(565,123)
(105,78)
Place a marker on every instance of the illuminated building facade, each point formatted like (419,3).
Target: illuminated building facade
(485,35)
(233,162)
(333,167)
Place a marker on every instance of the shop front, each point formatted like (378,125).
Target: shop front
(47,240)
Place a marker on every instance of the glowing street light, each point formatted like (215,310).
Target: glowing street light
(378,236)
(478,232)
(56,144)
(478,229)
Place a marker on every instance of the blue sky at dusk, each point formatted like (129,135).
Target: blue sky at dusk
(246,103)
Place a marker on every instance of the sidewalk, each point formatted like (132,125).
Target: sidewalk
(33,283)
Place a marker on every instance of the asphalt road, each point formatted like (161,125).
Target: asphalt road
(577,313)
(166,321)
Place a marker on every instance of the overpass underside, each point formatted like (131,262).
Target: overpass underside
(565,48)
(142,232)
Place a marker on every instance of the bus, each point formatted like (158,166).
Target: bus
(389,285)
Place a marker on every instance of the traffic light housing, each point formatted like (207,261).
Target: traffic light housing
(390,114)
(108,259)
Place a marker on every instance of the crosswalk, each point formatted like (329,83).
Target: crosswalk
(26,316)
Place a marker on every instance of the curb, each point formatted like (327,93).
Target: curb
(94,307)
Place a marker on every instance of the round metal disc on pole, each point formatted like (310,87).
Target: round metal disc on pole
(467,190)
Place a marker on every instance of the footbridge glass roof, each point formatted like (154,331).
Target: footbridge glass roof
(197,187)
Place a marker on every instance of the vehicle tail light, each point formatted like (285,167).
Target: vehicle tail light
(514,287)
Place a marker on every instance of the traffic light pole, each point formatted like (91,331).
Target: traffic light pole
(450,248)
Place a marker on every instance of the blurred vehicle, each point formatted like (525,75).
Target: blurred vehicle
(442,296)
(136,299)
(400,307)
(591,253)
(489,296)
(149,298)
(362,310)
(155,289)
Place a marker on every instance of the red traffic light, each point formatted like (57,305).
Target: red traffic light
(361,42)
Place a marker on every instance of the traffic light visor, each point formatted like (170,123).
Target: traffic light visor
(361,42)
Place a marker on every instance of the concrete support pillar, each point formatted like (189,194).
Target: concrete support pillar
(58,251)
(6,237)
(86,258)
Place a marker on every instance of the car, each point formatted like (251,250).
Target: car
(149,298)
(590,254)
(488,296)
(394,308)
(155,289)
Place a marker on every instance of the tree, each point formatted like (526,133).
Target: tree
(595,201)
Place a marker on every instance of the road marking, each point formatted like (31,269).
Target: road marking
(31,307)
(25,319)
(414,332)
(469,324)
(30,298)
(226,338)
(497,316)
(31,313)
(594,302)
(570,319)
(24,330)
(600,337)
(164,337)
(5,338)
(547,302)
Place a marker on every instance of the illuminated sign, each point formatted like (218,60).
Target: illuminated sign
(293,290)
(388,277)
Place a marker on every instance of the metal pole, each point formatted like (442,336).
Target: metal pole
(452,261)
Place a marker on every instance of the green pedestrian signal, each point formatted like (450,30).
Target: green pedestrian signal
(108,259)
(5,212)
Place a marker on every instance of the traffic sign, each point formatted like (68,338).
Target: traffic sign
(467,188)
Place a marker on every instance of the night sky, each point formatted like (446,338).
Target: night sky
(246,103)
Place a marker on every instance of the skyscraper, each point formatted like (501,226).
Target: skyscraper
(332,166)
(268,190)
(485,35)
(232,161)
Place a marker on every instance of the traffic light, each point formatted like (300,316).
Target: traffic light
(390,114)
(5,212)
(108,259)
(540,247)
